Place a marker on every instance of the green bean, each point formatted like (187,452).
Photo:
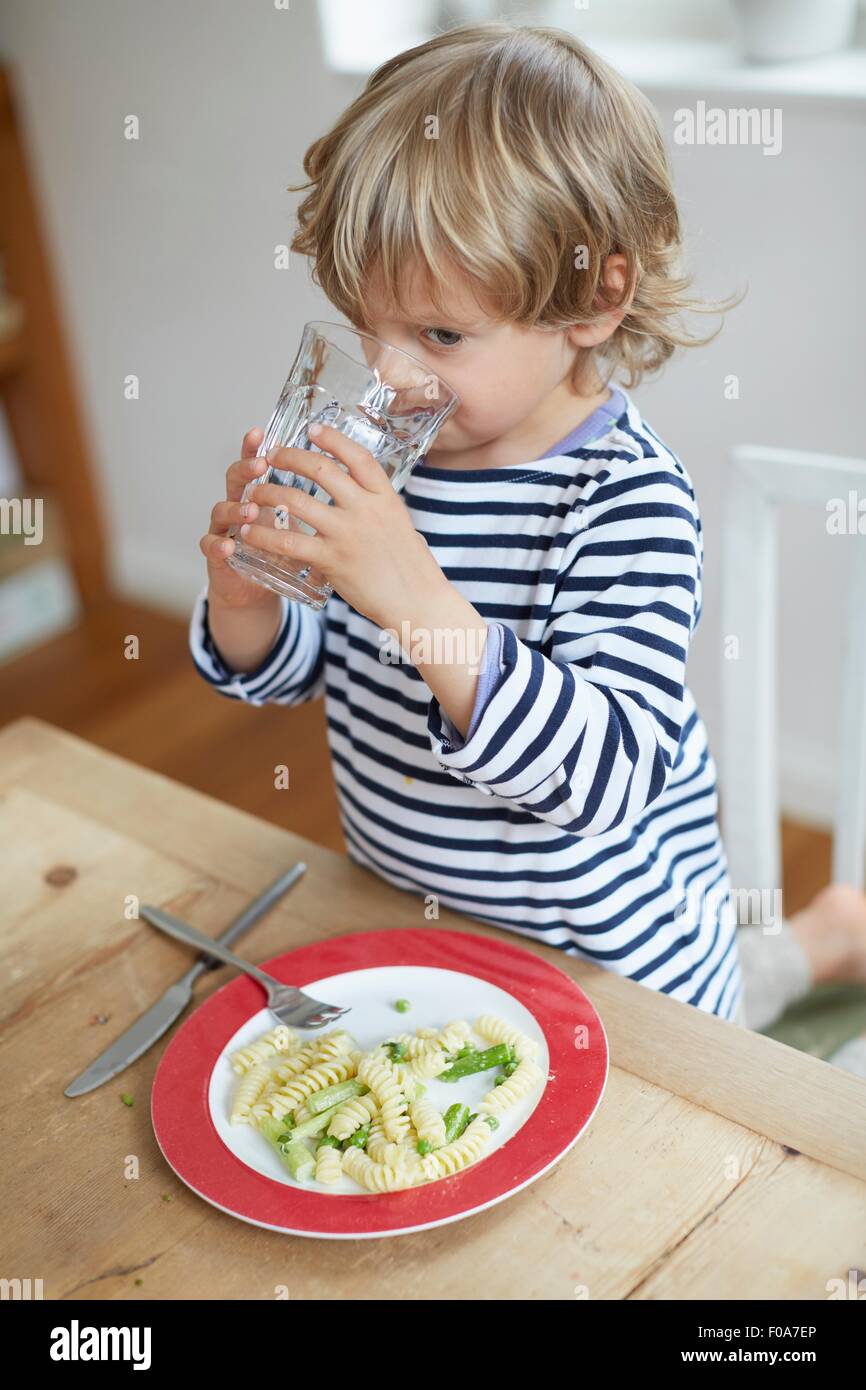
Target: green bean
(339,1091)
(476,1061)
(456,1120)
(308,1129)
(295,1155)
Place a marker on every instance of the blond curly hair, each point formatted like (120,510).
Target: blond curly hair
(516,154)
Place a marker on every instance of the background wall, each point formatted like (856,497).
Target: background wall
(164,250)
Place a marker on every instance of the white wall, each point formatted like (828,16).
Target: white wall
(164,247)
(789,228)
(164,251)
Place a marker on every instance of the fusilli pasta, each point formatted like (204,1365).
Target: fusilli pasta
(453,1037)
(285,1098)
(329,1163)
(377,1071)
(519,1083)
(418,1047)
(250,1089)
(424,1068)
(277,1040)
(374,1137)
(353,1115)
(378,1177)
(384,1150)
(428,1122)
(496,1030)
(459,1154)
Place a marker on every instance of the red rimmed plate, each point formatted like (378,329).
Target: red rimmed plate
(445,975)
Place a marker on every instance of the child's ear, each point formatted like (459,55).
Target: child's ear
(614,282)
(614,278)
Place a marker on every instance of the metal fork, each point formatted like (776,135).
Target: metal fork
(287,1003)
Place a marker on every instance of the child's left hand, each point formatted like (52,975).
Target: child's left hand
(366,546)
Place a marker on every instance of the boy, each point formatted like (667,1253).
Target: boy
(501,187)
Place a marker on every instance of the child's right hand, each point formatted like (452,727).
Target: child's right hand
(225,584)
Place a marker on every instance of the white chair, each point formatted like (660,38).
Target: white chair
(759,479)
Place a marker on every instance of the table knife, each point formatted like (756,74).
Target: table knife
(161,1015)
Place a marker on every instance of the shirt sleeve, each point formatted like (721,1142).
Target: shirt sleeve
(293,670)
(583,726)
(488,679)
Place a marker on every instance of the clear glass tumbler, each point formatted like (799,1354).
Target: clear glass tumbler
(374,393)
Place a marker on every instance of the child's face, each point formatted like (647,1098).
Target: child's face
(504,374)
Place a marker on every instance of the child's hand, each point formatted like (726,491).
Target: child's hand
(225,584)
(366,546)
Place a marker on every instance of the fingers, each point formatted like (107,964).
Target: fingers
(292,499)
(247,467)
(361,464)
(226,514)
(251,441)
(359,468)
(310,550)
(215,548)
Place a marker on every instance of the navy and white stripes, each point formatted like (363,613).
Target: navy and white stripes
(581,811)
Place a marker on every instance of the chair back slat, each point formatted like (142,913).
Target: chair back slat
(747,768)
(849,826)
(761,478)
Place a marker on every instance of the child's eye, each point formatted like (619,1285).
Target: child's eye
(449,332)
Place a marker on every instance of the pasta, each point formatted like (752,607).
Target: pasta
(299,1062)
(336,1044)
(496,1030)
(329,1163)
(442,1163)
(280,1039)
(428,1122)
(352,1115)
(422,1068)
(337,1114)
(454,1036)
(378,1177)
(383,1150)
(520,1083)
(377,1071)
(418,1047)
(278,1102)
(254,1084)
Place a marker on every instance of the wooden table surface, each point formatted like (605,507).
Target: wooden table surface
(720,1164)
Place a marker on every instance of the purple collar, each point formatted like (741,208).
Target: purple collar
(596,423)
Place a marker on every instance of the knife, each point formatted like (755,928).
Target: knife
(161,1015)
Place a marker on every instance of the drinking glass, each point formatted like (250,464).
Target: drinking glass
(380,396)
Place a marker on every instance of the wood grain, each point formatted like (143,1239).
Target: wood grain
(682,1187)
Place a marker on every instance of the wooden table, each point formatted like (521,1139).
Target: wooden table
(720,1164)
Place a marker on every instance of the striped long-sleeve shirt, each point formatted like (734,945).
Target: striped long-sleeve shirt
(581,808)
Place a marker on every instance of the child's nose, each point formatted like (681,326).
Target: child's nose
(396,370)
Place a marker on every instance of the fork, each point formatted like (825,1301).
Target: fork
(287,1003)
